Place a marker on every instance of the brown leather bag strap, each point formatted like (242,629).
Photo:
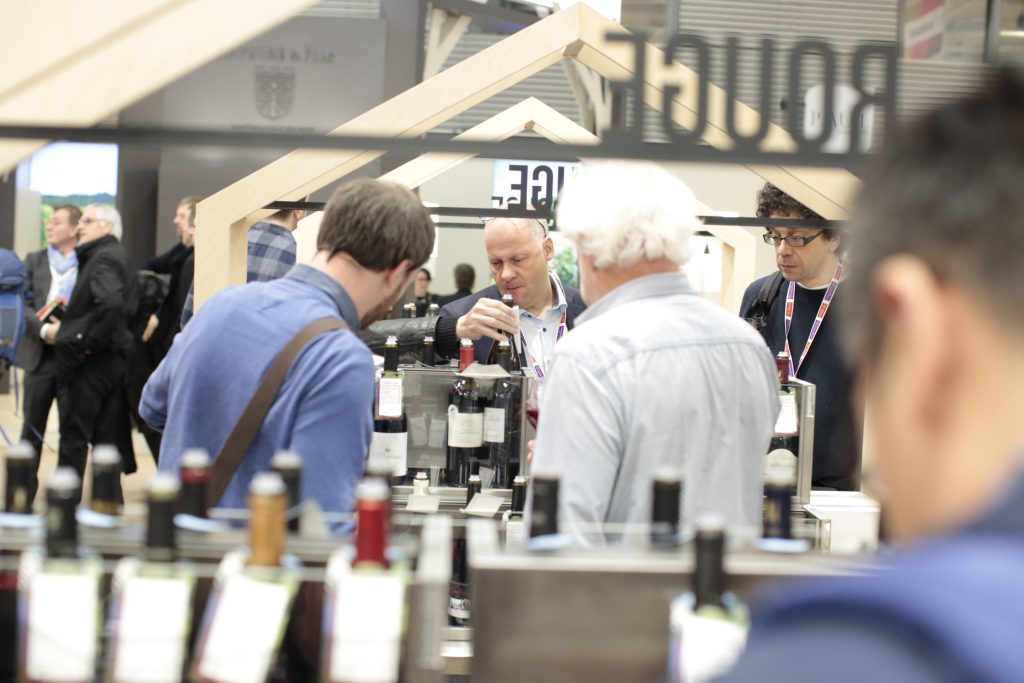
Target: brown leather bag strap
(248,426)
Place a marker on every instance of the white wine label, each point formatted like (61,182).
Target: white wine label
(244,631)
(389,452)
(389,397)
(494,425)
(458,600)
(62,632)
(367,629)
(787,422)
(703,647)
(465,430)
(152,629)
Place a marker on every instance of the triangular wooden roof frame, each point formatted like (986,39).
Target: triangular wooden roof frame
(577,32)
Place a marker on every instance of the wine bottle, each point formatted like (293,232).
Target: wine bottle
(161,539)
(195,476)
(266,520)
(421,484)
(106,480)
(389,447)
(473,487)
(62,493)
(778,504)
(459,608)
(427,353)
(708,624)
(373,511)
(782,367)
(288,464)
(514,365)
(410,310)
(666,504)
(512,519)
(501,423)
(21,472)
(709,570)
(433,310)
(465,422)
(544,517)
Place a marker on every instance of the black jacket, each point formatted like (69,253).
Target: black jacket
(101,307)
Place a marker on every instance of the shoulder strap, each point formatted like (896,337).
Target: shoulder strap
(248,426)
(765,298)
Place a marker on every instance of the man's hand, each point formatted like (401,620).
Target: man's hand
(531,445)
(487,318)
(151,326)
(50,333)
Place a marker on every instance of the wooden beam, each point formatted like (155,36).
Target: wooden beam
(445,32)
(409,114)
(530,114)
(827,191)
(94,79)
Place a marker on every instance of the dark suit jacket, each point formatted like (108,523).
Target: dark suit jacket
(37,276)
(101,308)
(446,341)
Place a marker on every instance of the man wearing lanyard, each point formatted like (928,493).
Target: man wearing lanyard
(800,321)
(518,250)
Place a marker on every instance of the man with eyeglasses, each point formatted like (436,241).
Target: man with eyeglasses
(92,342)
(792,310)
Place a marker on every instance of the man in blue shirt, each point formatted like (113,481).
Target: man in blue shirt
(372,241)
(937,245)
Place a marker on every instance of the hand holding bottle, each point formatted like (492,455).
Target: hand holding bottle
(487,318)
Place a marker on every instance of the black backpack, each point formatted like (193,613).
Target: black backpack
(763,303)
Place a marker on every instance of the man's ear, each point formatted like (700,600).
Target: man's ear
(549,249)
(916,344)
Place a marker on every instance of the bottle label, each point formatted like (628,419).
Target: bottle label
(494,425)
(787,422)
(465,430)
(458,600)
(389,452)
(389,397)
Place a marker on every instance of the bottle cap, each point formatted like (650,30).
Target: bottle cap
(63,479)
(779,477)
(710,523)
(163,485)
(391,341)
(465,341)
(267,484)
(105,454)
(421,475)
(286,460)
(21,451)
(667,475)
(520,479)
(428,339)
(194,458)
(372,488)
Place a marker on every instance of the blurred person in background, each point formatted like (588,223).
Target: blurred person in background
(423,296)
(465,277)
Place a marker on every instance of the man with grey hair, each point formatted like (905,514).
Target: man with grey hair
(655,378)
(518,250)
(92,340)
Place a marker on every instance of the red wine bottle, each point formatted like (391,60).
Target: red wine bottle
(465,422)
(501,423)
(389,448)
(373,511)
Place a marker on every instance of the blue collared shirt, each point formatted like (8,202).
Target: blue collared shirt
(653,377)
(541,332)
(323,410)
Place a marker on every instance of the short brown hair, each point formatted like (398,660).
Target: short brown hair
(379,224)
(465,276)
(74,213)
(191,201)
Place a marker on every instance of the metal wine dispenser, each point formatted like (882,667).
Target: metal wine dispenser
(425,398)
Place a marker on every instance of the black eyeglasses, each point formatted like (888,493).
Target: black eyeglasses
(543,224)
(792,240)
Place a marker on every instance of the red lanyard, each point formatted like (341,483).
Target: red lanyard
(822,310)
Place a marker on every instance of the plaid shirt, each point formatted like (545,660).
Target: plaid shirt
(271,255)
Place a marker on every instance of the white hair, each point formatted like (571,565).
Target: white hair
(620,213)
(105,212)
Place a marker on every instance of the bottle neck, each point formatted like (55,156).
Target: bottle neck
(709,573)
(61,525)
(544,521)
(266,529)
(465,357)
(371,533)
(391,359)
(160,533)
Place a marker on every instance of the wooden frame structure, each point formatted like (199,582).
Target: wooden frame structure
(101,56)
(576,33)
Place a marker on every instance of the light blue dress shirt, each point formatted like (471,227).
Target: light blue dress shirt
(654,377)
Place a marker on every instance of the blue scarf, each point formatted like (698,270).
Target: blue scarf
(66,267)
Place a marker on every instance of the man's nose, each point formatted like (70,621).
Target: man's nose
(784,249)
(507,273)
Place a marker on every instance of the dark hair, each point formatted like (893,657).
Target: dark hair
(772,200)
(74,213)
(191,201)
(947,191)
(465,276)
(379,224)
(424,270)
